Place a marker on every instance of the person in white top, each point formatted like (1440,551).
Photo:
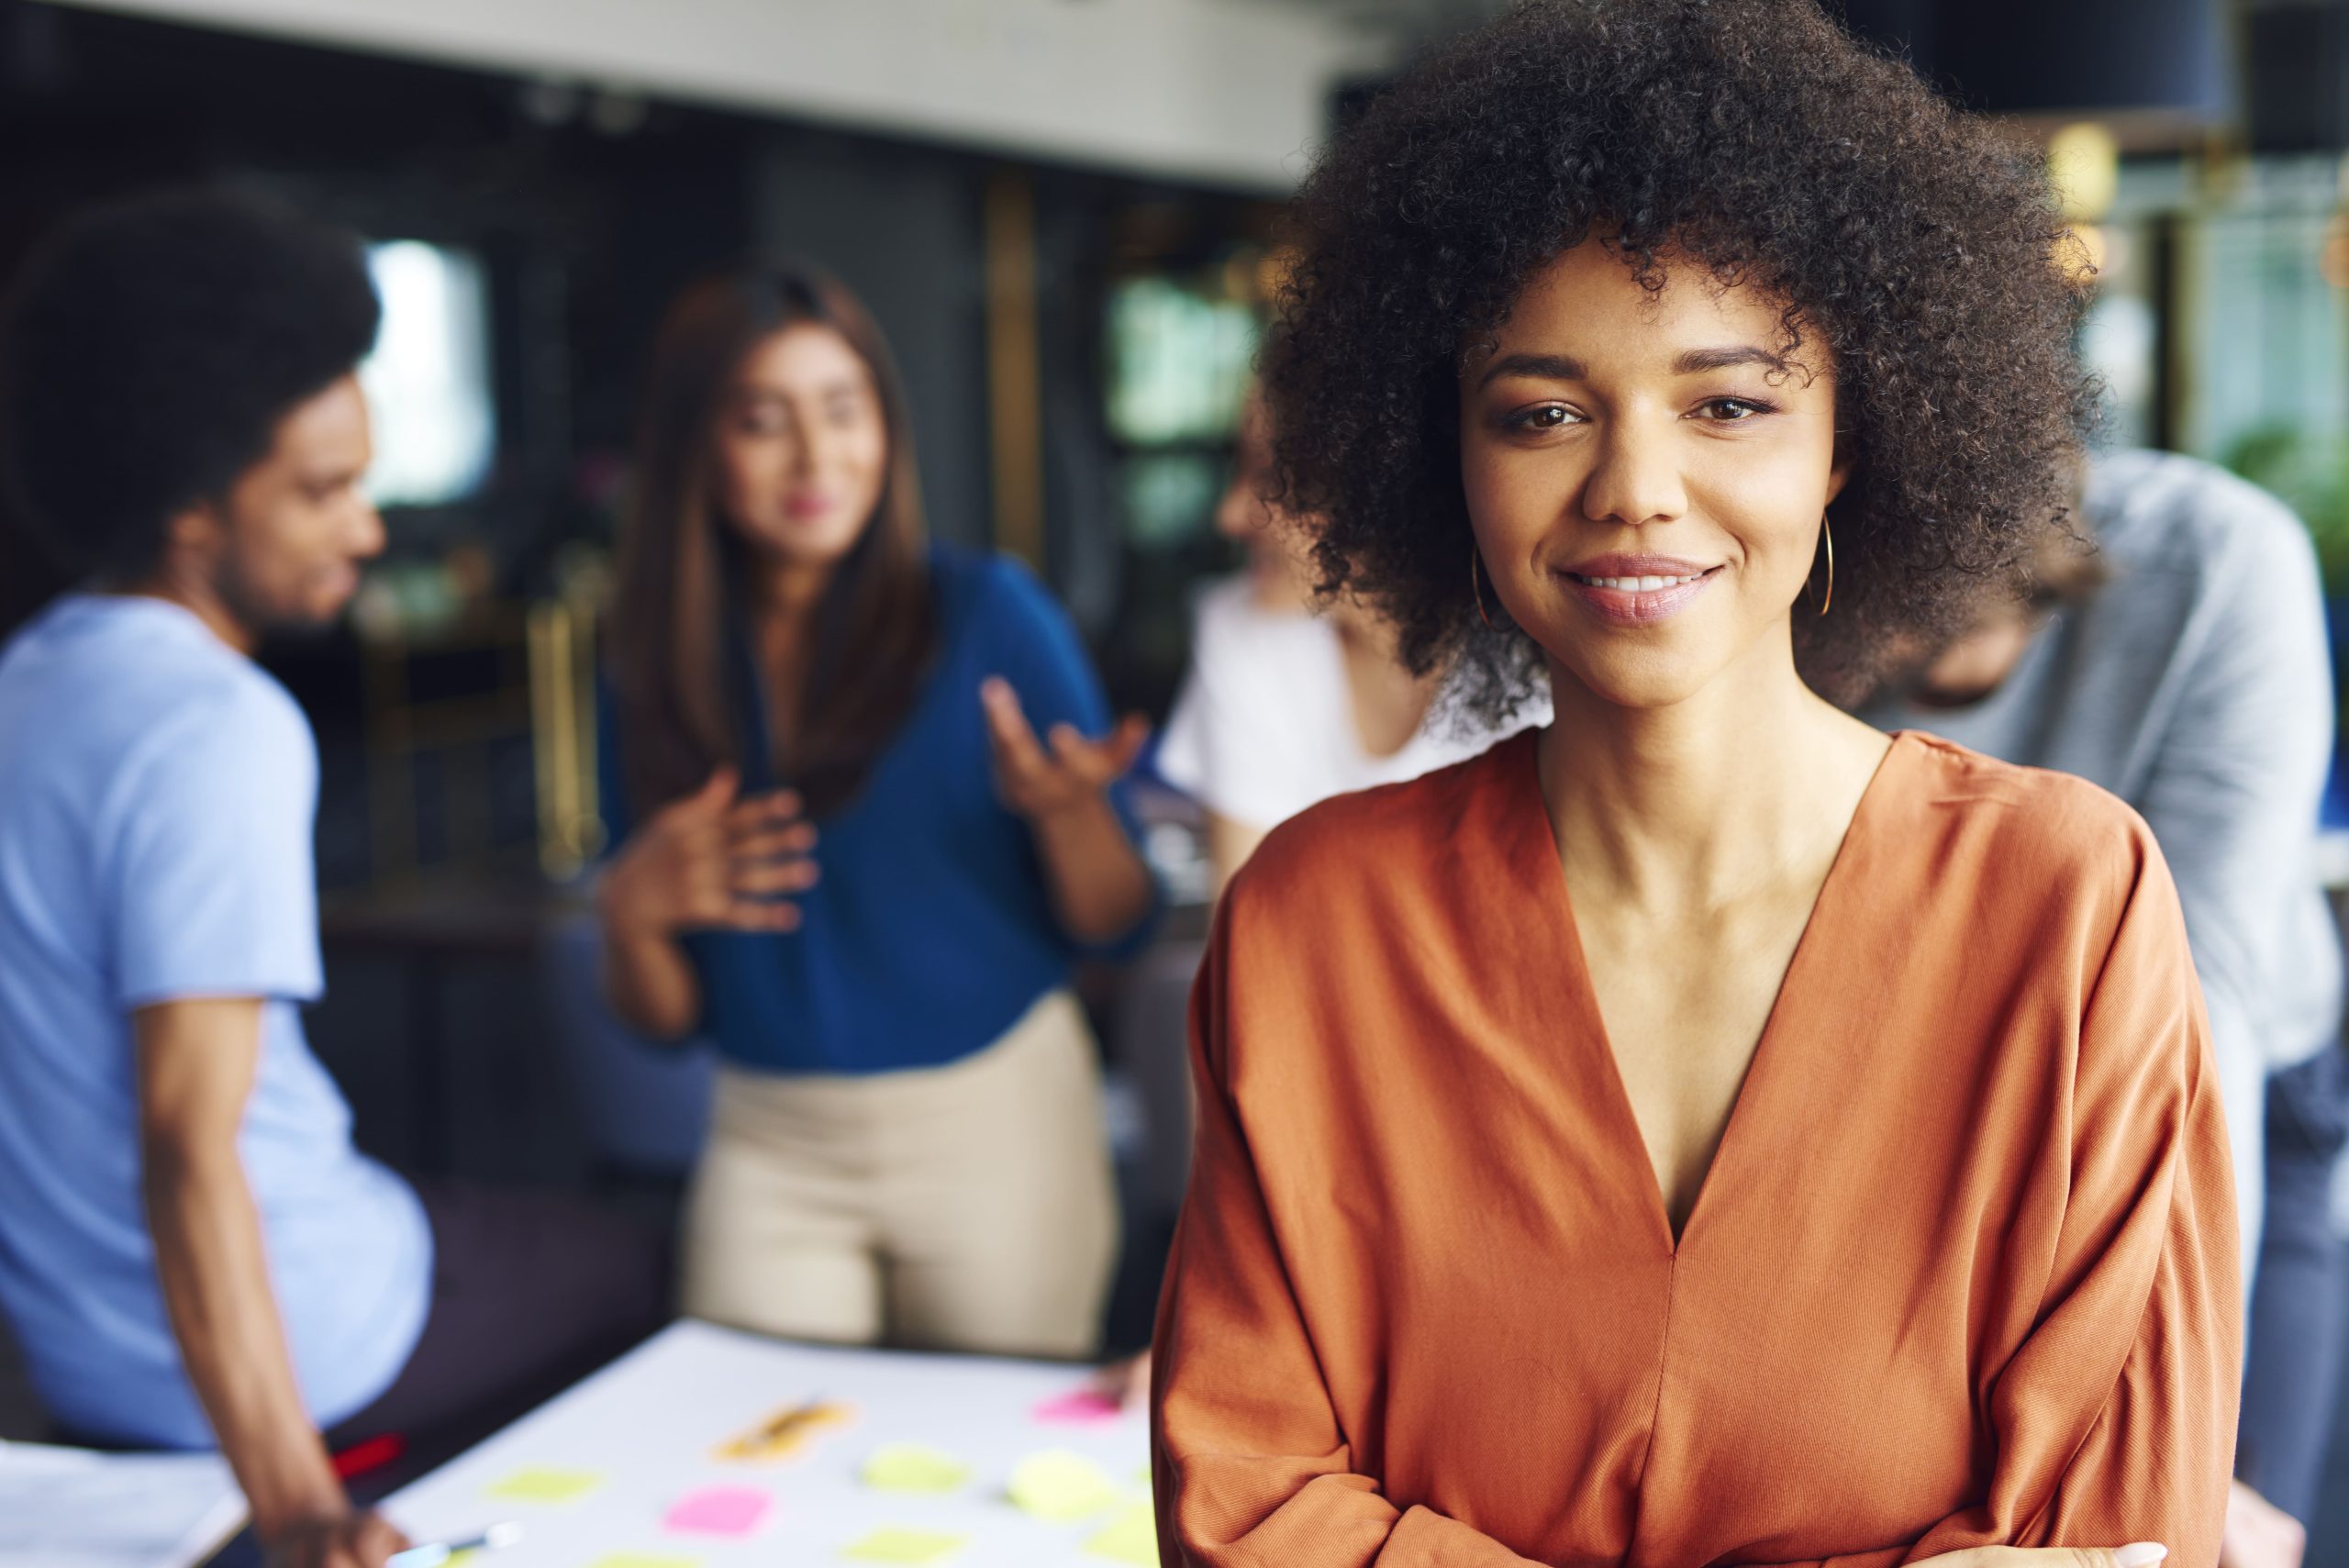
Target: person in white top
(1286,703)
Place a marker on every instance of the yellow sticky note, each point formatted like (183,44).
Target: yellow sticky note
(541,1485)
(1131,1537)
(1057,1487)
(643,1560)
(913,1467)
(894,1543)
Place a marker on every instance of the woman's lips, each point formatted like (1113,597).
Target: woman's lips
(1638,591)
(804,508)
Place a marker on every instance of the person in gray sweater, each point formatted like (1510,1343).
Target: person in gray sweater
(2184,666)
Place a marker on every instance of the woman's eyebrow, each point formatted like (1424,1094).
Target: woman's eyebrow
(1695,362)
(1689,362)
(1539,367)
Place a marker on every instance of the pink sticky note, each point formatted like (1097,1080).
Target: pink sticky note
(1083,1409)
(719,1510)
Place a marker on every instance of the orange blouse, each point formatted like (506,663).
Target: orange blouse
(1962,1270)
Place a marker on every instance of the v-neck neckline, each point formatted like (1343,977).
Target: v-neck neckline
(1559,902)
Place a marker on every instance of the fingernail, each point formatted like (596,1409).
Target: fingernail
(2140,1554)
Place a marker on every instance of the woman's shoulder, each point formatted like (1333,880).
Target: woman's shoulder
(1228,613)
(992,579)
(2021,830)
(1371,843)
(1003,597)
(989,599)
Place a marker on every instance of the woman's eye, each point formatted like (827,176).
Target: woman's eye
(1731,410)
(1547,417)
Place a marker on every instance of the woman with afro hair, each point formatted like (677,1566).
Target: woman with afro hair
(1702,1131)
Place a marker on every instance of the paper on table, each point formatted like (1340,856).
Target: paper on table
(894,1543)
(643,1560)
(648,1424)
(1131,1537)
(1058,1487)
(913,1467)
(538,1484)
(67,1507)
(719,1510)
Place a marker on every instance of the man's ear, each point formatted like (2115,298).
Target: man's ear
(197,531)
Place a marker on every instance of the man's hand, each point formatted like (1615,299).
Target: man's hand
(346,1540)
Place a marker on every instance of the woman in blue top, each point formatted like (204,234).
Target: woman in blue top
(907,1139)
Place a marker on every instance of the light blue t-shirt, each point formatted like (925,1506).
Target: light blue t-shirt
(157,793)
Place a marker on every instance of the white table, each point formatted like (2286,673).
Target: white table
(650,1426)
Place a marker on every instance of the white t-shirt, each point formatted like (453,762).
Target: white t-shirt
(1265,724)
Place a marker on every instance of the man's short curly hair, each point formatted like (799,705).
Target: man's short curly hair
(1759,139)
(148,351)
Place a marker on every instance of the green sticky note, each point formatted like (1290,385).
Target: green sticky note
(1131,1537)
(1057,1487)
(894,1543)
(643,1560)
(914,1467)
(540,1484)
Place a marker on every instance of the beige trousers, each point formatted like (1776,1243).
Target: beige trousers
(964,1208)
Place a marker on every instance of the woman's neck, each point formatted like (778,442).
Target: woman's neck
(782,601)
(1279,576)
(786,591)
(1709,800)
(1388,702)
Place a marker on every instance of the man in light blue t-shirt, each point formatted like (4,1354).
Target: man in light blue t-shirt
(191,1249)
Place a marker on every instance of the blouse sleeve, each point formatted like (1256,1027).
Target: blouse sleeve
(2115,1420)
(1250,1465)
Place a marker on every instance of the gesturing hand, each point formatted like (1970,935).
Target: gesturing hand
(713,862)
(1038,782)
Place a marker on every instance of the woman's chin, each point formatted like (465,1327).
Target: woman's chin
(1638,678)
(816,544)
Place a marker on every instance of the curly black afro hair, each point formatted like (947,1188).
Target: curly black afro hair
(1920,245)
(146,353)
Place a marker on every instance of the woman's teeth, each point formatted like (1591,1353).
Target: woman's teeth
(1636,585)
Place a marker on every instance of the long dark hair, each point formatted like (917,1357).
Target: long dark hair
(681,564)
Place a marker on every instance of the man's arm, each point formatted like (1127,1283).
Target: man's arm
(197,1062)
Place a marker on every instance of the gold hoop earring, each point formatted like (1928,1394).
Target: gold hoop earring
(1828,528)
(1475,589)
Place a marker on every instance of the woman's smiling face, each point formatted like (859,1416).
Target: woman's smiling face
(1646,475)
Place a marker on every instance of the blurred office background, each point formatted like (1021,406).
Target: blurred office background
(1064,215)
